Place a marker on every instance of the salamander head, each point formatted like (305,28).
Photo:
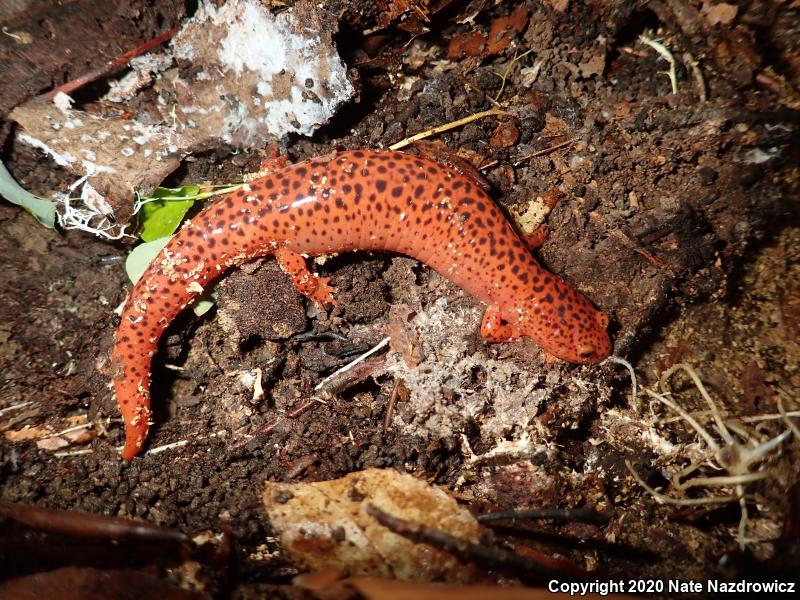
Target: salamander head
(580,338)
(570,329)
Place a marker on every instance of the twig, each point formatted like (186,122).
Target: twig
(584,514)
(111,66)
(68,430)
(544,151)
(486,556)
(15,407)
(86,525)
(666,55)
(351,364)
(446,127)
(327,388)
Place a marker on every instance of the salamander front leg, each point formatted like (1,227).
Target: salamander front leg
(307,283)
(495,327)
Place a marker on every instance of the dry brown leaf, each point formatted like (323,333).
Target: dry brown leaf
(26,433)
(720,14)
(324,525)
(403,336)
(505,134)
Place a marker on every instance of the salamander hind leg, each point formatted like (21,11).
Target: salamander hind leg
(307,283)
(495,327)
(536,238)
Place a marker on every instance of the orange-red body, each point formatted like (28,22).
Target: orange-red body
(358,200)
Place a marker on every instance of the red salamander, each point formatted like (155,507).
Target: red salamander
(358,200)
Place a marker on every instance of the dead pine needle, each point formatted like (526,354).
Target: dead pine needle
(504,76)
(447,127)
(544,151)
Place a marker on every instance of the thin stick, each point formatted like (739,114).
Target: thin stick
(547,150)
(352,363)
(15,407)
(111,66)
(446,127)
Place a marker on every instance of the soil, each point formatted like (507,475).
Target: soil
(677,215)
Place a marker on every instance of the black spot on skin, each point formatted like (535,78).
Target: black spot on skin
(339,203)
(548,299)
(418,191)
(229,202)
(212,242)
(480,207)
(347,188)
(296,184)
(269,184)
(380,185)
(382,169)
(457,184)
(301,171)
(358,154)
(397,191)
(240,194)
(467,201)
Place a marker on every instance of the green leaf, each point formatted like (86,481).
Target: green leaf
(161,217)
(204,303)
(141,257)
(43,210)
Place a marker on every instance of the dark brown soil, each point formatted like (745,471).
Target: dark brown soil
(671,219)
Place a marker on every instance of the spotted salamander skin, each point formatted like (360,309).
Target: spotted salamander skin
(357,200)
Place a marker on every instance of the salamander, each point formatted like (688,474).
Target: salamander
(355,200)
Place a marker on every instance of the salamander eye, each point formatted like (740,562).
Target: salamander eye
(585,352)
